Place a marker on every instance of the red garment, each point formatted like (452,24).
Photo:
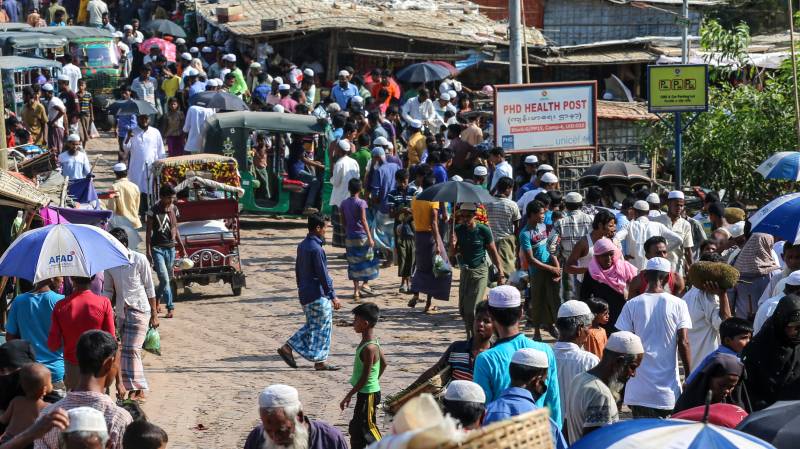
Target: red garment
(75,315)
(643,284)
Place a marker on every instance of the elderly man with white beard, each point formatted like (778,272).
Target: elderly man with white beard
(594,395)
(284,426)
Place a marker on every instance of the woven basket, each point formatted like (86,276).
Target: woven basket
(434,386)
(527,431)
(15,189)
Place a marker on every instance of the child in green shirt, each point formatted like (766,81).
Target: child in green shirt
(368,367)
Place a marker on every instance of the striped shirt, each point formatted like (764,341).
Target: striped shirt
(502,213)
(571,229)
(117,418)
(460,360)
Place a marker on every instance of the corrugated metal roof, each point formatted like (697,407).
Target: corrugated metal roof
(621,110)
(595,57)
(457,22)
(672,2)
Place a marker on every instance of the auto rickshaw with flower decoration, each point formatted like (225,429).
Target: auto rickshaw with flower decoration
(208,191)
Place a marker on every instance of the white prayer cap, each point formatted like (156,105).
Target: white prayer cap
(624,342)
(468,206)
(279,395)
(284,87)
(456,178)
(308,72)
(653,198)
(357,99)
(207,50)
(230,57)
(465,391)
(445,96)
(504,297)
(378,152)
(573,308)
(573,198)
(191,71)
(544,167)
(530,357)
(278,80)
(675,195)
(255,65)
(218,81)
(333,107)
(549,178)
(73,138)
(86,419)
(63,77)
(391,147)
(118,34)
(414,123)
(224,72)
(381,141)
(344,145)
(658,264)
(531,159)
(480,170)
(278,108)
(641,205)
(128,27)
(194,50)
(118,167)
(793,279)
(200,39)
(47,87)
(180,41)
(343,73)
(736,229)
(213,83)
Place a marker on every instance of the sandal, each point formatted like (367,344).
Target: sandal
(367,290)
(288,358)
(432,310)
(169,314)
(326,367)
(412,302)
(356,297)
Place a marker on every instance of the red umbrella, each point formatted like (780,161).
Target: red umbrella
(726,415)
(447,65)
(167,48)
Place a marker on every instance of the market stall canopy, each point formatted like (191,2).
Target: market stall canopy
(75,32)
(22,62)
(27,40)
(18,191)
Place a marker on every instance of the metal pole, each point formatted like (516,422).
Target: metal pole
(678,124)
(3,151)
(794,72)
(685,33)
(515,42)
(525,42)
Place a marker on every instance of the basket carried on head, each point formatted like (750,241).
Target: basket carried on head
(527,431)
(434,386)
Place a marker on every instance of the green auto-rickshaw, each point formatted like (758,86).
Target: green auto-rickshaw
(232,134)
(18,73)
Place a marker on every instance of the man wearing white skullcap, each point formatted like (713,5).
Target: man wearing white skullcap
(592,399)
(443,105)
(284,425)
(125,202)
(528,370)
(681,256)
(421,108)
(345,169)
(465,401)
(547,181)
(574,235)
(662,321)
(491,366)
(239,87)
(639,230)
(416,142)
(530,163)
(343,91)
(86,430)
(573,322)
(73,160)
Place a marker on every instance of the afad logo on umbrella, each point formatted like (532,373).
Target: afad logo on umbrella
(62,259)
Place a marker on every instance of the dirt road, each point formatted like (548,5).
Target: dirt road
(219,350)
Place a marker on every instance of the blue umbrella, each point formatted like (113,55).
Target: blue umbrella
(62,250)
(422,72)
(784,165)
(781,218)
(668,433)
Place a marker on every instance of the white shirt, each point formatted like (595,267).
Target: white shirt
(638,231)
(656,319)
(132,283)
(501,170)
(423,112)
(571,360)
(777,282)
(195,126)
(684,229)
(96,8)
(74,74)
(765,310)
(591,404)
(345,169)
(704,334)
(145,147)
(74,166)
(54,105)
(527,197)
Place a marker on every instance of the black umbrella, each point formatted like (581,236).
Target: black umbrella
(164,27)
(778,424)
(422,72)
(135,107)
(614,171)
(456,192)
(221,101)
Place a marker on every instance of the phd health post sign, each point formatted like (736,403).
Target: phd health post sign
(677,88)
(546,116)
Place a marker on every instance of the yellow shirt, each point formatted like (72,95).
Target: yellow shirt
(126,203)
(421,211)
(170,86)
(416,147)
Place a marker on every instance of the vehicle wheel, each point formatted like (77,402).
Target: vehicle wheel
(174,287)
(237,291)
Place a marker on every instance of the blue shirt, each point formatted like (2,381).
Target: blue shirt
(537,243)
(296,163)
(524,188)
(196,88)
(29,319)
(440,173)
(722,349)
(622,223)
(311,271)
(342,95)
(261,91)
(125,123)
(491,372)
(382,182)
(515,401)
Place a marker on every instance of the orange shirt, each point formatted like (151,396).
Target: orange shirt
(596,341)
(394,91)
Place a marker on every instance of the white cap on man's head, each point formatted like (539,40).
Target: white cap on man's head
(194,50)
(344,145)
(544,167)
(573,198)
(480,170)
(531,159)
(278,108)
(573,308)
(793,279)
(675,195)
(212,83)
(117,34)
(624,342)
(119,167)
(180,41)
(128,27)
(191,71)
(279,395)
(641,205)
(457,178)
(530,357)
(284,87)
(86,419)
(414,123)
(444,96)
(343,73)
(549,178)
(658,264)
(381,141)
(207,50)
(504,297)
(63,77)
(73,138)
(230,57)
(653,198)
(200,39)
(47,87)
(465,391)
(255,65)
(736,229)
(308,72)
(358,99)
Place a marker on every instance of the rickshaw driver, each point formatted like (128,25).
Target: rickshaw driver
(302,167)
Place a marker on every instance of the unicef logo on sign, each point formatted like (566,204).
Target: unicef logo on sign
(62,259)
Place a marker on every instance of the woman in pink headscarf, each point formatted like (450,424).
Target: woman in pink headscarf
(608,278)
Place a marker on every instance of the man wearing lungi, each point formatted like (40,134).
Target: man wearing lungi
(315,288)
(135,308)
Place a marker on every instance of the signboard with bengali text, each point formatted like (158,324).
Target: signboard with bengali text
(677,88)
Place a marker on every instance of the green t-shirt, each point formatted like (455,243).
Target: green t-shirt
(472,243)
(362,156)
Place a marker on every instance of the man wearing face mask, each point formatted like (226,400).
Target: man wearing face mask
(528,370)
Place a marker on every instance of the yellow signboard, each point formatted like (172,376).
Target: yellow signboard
(677,88)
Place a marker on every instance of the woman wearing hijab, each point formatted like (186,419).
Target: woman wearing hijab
(720,376)
(608,278)
(772,359)
(756,265)
(13,356)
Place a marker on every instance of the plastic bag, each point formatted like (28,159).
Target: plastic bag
(93,133)
(152,341)
(441,265)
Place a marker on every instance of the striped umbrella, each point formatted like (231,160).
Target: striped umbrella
(668,433)
(781,218)
(784,165)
